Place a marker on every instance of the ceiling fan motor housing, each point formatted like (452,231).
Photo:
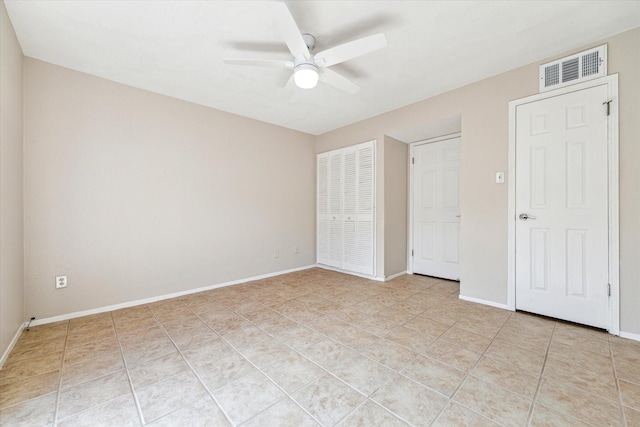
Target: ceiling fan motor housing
(309,40)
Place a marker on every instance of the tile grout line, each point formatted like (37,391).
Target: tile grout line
(468,374)
(260,370)
(281,400)
(573,417)
(82,411)
(307,358)
(418,354)
(126,370)
(59,391)
(384,408)
(222,338)
(304,356)
(359,352)
(191,367)
(544,366)
(617,380)
(368,397)
(397,372)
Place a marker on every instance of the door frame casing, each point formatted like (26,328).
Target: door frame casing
(611,83)
(411,155)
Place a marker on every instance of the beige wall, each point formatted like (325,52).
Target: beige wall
(484,109)
(134,195)
(11,222)
(624,58)
(395,205)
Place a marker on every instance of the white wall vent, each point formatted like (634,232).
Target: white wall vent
(572,69)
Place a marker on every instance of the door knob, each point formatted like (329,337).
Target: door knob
(524,216)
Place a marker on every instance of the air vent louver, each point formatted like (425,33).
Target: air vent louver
(552,75)
(590,63)
(570,70)
(573,69)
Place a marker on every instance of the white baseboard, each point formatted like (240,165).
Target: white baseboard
(484,302)
(393,276)
(629,335)
(12,344)
(353,273)
(162,297)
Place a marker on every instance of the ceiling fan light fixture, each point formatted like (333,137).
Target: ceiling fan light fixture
(306,75)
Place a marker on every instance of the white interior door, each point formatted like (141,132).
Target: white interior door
(561,248)
(436,209)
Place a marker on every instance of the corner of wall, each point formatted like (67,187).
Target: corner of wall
(11,185)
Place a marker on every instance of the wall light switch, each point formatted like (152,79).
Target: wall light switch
(499,177)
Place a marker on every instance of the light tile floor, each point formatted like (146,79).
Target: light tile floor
(320,347)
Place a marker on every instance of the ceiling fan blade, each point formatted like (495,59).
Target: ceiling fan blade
(261,62)
(350,50)
(289,82)
(290,32)
(334,79)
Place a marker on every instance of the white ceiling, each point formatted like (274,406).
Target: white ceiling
(176,48)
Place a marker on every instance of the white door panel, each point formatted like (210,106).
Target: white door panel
(350,200)
(365,209)
(335,210)
(436,209)
(562,204)
(323,209)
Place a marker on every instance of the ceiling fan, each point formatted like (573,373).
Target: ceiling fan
(308,67)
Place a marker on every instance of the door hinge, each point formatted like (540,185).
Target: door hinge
(609,289)
(608,103)
(413,160)
(411,252)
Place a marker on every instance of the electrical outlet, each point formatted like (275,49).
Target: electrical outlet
(61,282)
(499,177)
(276,254)
(296,249)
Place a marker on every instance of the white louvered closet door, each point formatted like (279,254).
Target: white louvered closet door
(346,194)
(350,198)
(323,209)
(365,205)
(335,209)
